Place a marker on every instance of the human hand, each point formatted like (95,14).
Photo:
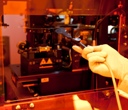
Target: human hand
(99,56)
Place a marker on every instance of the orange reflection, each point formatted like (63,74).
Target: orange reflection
(15,7)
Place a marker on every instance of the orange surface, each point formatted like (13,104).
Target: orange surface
(15,7)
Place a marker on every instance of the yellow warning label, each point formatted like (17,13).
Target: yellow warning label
(49,61)
(43,62)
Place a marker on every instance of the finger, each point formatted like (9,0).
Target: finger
(77,48)
(101,69)
(97,65)
(88,49)
(97,48)
(96,59)
(98,54)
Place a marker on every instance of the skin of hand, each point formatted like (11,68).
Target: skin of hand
(99,56)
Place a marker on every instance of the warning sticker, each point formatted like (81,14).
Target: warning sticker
(49,61)
(45,63)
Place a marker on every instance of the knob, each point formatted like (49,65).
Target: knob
(18,107)
(31,105)
(125,44)
(125,36)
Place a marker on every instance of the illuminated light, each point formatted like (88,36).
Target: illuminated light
(43,49)
(44,80)
(123,24)
(34,63)
(125,44)
(1,83)
(58,46)
(81,104)
(31,105)
(46,66)
(18,107)
(125,36)
(30,63)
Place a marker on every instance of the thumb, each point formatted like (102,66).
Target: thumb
(77,49)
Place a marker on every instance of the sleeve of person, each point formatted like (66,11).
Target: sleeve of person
(123,87)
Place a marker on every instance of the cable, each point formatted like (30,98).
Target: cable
(115,87)
(62,31)
(95,39)
(69,65)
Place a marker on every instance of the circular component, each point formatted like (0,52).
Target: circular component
(18,107)
(31,105)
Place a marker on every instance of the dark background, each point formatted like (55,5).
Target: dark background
(95,7)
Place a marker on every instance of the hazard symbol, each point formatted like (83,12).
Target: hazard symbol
(46,61)
(49,61)
(43,62)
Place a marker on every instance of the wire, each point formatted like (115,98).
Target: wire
(70,56)
(115,88)
(95,39)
